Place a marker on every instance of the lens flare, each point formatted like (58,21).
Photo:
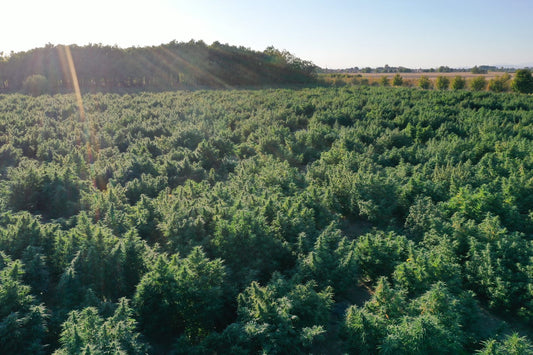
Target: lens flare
(74,79)
(69,71)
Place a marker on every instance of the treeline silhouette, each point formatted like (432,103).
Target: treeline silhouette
(167,66)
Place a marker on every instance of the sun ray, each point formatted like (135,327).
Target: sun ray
(88,129)
(192,67)
(75,83)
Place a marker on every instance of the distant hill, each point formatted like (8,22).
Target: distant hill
(167,66)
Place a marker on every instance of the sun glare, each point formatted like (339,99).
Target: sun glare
(74,77)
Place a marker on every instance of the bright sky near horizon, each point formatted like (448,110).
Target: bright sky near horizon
(332,34)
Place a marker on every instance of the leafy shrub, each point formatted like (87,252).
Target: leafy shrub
(424,82)
(479,83)
(523,81)
(442,83)
(43,189)
(35,85)
(458,83)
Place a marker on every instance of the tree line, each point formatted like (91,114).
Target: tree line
(167,66)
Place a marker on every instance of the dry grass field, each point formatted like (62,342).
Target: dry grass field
(409,79)
(432,76)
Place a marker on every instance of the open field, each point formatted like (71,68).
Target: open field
(432,76)
(409,79)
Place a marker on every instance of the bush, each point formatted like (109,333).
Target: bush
(35,85)
(339,82)
(523,81)
(500,83)
(424,82)
(458,83)
(47,190)
(442,82)
(512,344)
(397,80)
(478,83)
(355,80)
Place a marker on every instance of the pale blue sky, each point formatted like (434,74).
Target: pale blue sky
(333,34)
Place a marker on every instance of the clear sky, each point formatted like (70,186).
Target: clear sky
(333,34)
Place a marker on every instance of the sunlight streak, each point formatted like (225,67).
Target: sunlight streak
(69,71)
(75,83)
(194,68)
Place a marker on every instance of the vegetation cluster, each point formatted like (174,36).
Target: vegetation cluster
(483,69)
(175,65)
(321,220)
(522,82)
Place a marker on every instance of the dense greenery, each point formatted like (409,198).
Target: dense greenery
(167,66)
(328,220)
(523,82)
